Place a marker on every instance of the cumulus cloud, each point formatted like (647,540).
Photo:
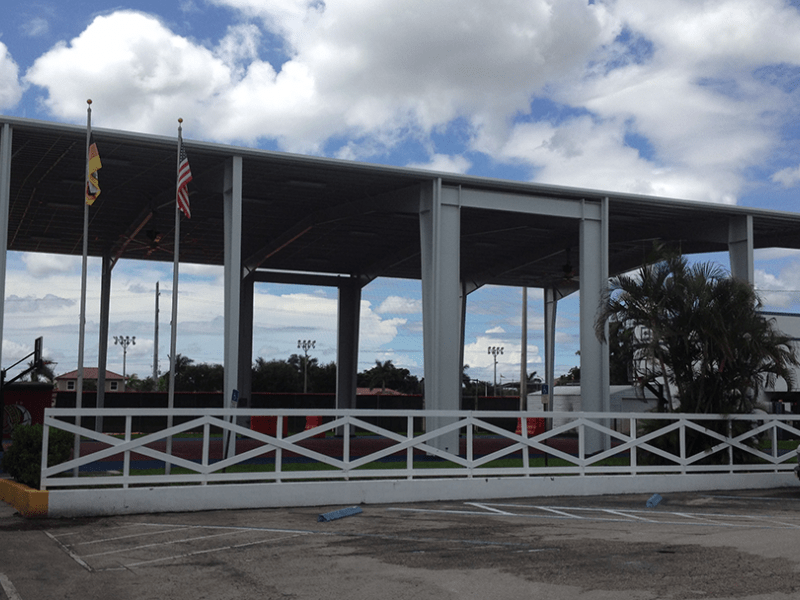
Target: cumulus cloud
(30,304)
(10,87)
(481,363)
(685,77)
(788,177)
(45,265)
(444,163)
(139,74)
(400,306)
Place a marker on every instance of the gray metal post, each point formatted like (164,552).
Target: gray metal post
(593,279)
(102,345)
(232,210)
(5,199)
(740,248)
(440,233)
(347,343)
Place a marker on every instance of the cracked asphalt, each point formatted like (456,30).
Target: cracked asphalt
(743,545)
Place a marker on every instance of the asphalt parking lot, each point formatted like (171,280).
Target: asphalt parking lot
(701,545)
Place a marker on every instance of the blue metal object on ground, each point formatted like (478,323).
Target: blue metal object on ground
(338,514)
(653,501)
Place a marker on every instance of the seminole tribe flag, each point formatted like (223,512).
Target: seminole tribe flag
(94,165)
(184,177)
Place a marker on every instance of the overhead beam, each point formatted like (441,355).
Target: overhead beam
(531,204)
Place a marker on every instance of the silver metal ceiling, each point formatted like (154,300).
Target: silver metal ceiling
(318,215)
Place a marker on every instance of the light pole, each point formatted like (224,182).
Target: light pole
(124,341)
(494,351)
(305,345)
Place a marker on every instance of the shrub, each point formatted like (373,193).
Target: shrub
(23,460)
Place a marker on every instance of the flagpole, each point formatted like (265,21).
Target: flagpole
(82,318)
(174,321)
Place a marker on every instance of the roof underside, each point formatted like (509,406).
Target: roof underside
(323,216)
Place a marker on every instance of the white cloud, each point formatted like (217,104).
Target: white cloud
(779,292)
(239,46)
(12,351)
(45,265)
(788,177)
(481,363)
(444,164)
(139,74)
(689,89)
(36,27)
(380,71)
(10,87)
(400,306)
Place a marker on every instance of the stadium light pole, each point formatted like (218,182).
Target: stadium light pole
(124,341)
(305,345)
(494,351)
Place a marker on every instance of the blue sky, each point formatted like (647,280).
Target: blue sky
(692,99)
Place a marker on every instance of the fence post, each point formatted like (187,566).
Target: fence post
(45,450)
(682,445)
(126,465)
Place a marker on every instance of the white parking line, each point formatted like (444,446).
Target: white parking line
(627,515)
(198,552)
(664,517)
(156,544)
(69,552)
(125,537)
(489,508)
(8,588)
(558,512)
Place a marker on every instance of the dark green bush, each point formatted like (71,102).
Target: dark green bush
(23,460)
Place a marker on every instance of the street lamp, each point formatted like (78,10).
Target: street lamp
(305,345)
(494,351)
(124,341)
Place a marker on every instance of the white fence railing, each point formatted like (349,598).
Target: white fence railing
(208,446)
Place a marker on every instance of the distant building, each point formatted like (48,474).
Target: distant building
(68,382)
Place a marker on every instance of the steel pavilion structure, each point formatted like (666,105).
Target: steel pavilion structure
(277,217)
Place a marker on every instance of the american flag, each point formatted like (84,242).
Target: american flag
(184,177)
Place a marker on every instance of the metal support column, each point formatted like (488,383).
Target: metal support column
(245,379)
(551,297)
(232,212)
(740,248)
(440,233)
(5,199)
(594,354)
(102,343)
(347,343)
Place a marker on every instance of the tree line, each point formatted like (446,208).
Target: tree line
(292,375)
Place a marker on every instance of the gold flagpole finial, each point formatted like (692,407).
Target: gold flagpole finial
(180,120)
(89,101)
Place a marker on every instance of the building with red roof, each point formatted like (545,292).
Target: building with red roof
(68,382)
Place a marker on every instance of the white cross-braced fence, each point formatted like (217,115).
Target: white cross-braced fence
(210,446)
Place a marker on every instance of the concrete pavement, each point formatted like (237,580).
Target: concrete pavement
(743,545)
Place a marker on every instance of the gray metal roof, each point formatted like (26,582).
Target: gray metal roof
(311,214)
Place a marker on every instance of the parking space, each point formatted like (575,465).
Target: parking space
(137,545)
(741,545)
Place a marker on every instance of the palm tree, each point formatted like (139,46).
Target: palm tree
(42,371)
(381,373)
(697,331)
